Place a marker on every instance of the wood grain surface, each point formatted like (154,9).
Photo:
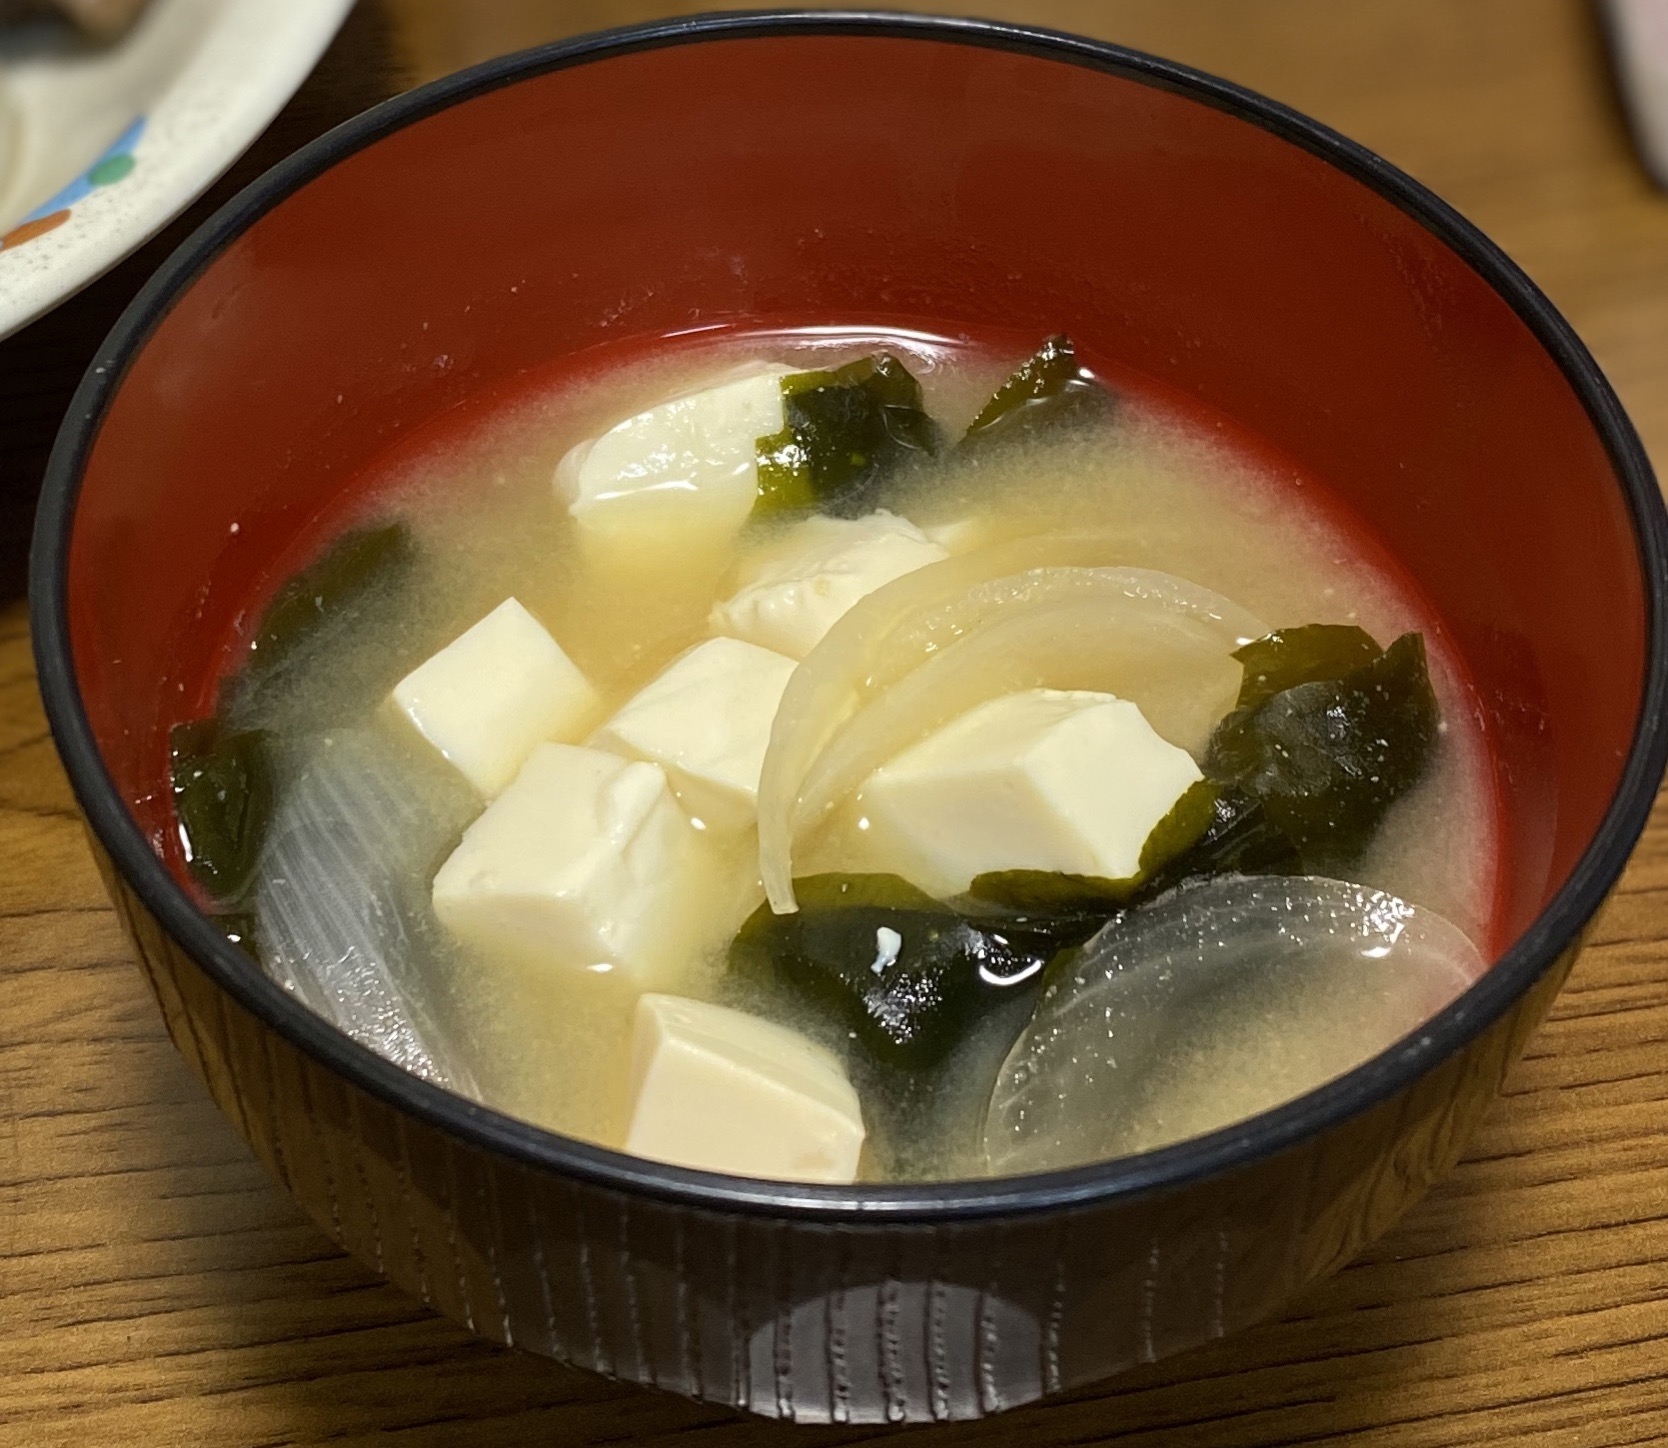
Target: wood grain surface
(157,1288)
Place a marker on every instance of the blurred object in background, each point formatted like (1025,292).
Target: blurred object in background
(1638,31)
(101,19)
(41,364)
(104,144)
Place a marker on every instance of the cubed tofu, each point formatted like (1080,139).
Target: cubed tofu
(493,693)
(816,573)
(688,464)
(724,1091)
(1043,779)
(706,721)
(583,863)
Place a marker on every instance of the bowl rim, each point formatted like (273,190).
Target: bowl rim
(1556,928)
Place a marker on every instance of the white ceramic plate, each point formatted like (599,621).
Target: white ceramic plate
(101,147)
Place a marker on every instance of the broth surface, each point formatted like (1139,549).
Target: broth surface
(1178,494)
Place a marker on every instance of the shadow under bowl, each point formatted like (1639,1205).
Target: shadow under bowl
(894,171)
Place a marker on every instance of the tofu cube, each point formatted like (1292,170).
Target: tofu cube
(706,721)
(1038,780)
(818,572)
(687,464)
(583,863)
(724,1091)
(493,693)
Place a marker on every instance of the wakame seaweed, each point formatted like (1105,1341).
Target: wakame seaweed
(1046,891)
(222,787)
(1292,656)
(845,432)
(1326,758)
(907,975)
(323,595)
(1049,388)
(1238,839)
(222,776)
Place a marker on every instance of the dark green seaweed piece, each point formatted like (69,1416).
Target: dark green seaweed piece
(1239,839)
(222,786)
(1327,759)
(906,975)
(1046,891)
(1292,656)
(1188,818)
(845,432)
(1048,388)
(326,589)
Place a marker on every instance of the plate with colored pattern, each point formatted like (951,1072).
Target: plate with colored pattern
(102,146)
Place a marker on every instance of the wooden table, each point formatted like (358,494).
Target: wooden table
(157,1288)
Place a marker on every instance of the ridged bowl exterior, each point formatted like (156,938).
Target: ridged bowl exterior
(794,1319)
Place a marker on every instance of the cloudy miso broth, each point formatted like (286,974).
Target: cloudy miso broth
(369,813)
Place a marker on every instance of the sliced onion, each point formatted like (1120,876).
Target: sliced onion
(1221,999)
(342,900)
(965,614)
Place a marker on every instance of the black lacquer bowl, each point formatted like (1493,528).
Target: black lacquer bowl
(819,167)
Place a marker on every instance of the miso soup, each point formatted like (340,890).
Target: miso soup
(838,755)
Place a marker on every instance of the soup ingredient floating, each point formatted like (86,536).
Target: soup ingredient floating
(706,720)
(845,433)
(582,863)
(1329,732)
(724,1090)
(808,582)
(1049,389)
(906,975)
(1218,1000)
(223,772)
(339,906)
(687,464)
(222,787)
(493,693)
(1069,782)
(328,599)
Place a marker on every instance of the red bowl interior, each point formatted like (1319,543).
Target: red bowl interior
(876,180)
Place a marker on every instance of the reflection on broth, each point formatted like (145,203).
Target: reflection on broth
(836,755)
